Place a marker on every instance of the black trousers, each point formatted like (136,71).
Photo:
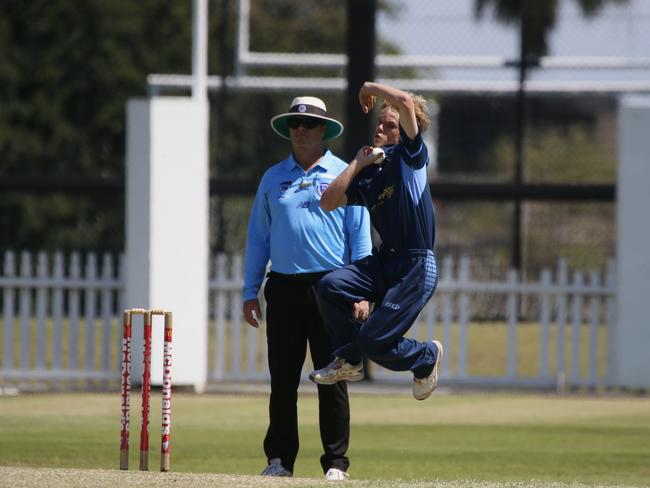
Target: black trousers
(293,320)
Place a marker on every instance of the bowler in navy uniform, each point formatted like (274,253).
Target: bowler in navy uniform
(400,276)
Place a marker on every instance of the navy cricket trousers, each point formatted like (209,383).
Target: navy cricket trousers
(400,284)
(292,321)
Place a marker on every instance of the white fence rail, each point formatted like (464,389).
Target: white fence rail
(61,321)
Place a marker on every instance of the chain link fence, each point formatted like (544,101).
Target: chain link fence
(466,65)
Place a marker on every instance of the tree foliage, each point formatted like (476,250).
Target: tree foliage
(67,69)
(540,16)
(300,27)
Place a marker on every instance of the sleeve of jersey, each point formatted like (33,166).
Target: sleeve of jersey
(415,151)
(357,232)
(353,193)
(257,244)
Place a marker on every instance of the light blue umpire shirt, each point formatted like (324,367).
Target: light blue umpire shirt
(288,226)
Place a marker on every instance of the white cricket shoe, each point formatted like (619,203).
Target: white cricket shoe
(275,468)
(335,474)
(337,370)
(423,387)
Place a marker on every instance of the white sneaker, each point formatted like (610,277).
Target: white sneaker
(423,387)
(275,468)
(337,370)
(335,474)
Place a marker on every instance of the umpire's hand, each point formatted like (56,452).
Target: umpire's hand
(252,312)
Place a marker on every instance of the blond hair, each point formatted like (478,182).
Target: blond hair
(421,110)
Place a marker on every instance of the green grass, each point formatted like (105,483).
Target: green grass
(590,440)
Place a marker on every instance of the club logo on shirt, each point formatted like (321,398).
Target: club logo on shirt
(387,192)
(321,187)
(284,186)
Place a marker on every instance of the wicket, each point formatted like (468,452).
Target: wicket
(165,446)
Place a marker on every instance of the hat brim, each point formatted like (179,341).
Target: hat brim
(333,128)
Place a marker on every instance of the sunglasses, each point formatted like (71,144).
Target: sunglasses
(306,122)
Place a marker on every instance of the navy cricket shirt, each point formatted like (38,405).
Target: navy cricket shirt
(397,195)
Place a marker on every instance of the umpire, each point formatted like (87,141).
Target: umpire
(303,242)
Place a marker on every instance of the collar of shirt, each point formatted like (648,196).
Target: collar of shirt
(326,163)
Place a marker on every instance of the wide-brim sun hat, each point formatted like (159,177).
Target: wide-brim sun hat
(307,107)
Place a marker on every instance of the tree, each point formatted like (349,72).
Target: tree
(536,19)
(540,16)
(67,69)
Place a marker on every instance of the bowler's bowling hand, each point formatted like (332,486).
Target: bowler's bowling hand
(365,157)
(360,310)
(252,312)
(366,100)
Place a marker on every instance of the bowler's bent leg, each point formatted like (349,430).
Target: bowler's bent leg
(337,292)
(381,338)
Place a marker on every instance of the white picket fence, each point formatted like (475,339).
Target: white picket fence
(61,323)
(60,316)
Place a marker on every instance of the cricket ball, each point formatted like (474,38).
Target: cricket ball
(378,155)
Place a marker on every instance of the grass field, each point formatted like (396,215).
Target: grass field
(494,440)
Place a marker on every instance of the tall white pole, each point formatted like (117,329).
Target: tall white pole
(167,210)
(243,33)
(199,49)
(633,333)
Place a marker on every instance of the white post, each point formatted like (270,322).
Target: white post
(633,328)
(560,318)
(545,323)
(199,49)
(431,140)
(447,313)
(576,324)
(463,316)
(512,307)
(610,313)
(243,34)
(166,264)
(594,326)
(220,306)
